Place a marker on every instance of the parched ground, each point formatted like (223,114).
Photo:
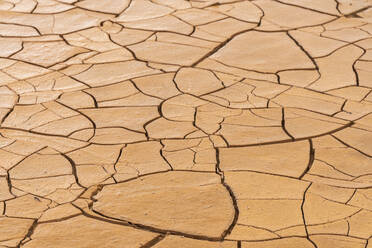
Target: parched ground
(186,124)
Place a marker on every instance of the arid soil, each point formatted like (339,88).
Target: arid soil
(186,124)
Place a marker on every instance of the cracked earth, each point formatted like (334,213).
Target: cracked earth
(192,124)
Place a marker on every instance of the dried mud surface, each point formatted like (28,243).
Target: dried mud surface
(193,124)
